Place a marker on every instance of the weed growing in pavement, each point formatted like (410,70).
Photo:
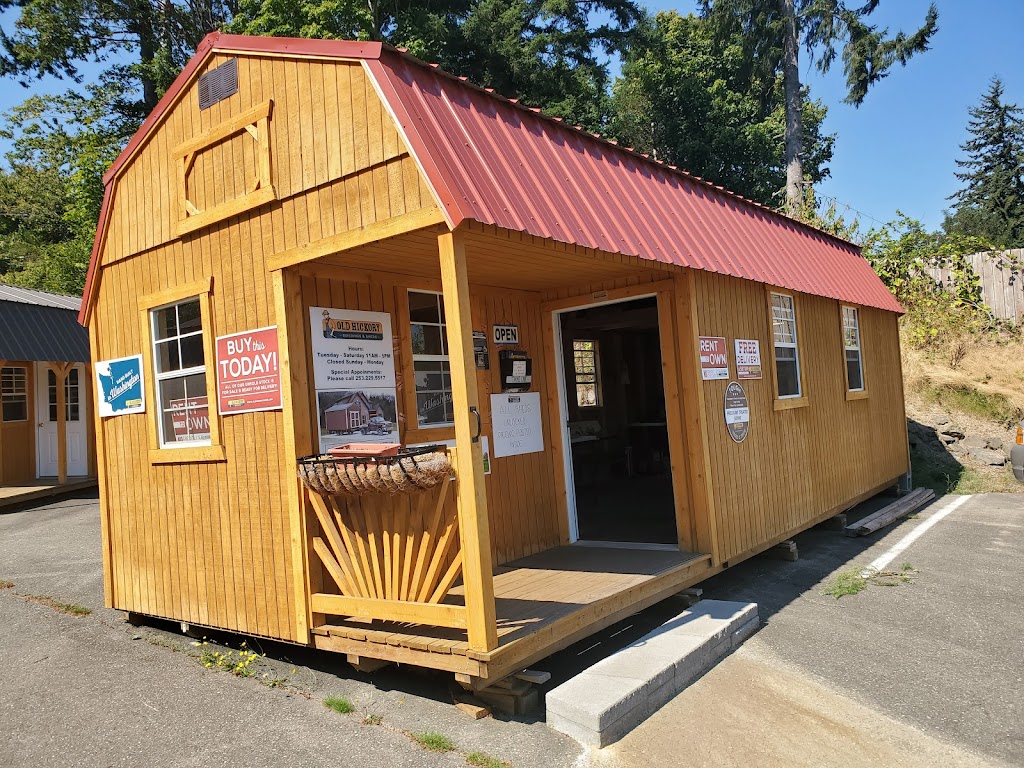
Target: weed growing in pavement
(4,584)
(483,760)
(240,663)
(373,720)
(854,580)
(435,742)
(848,582)
(71,609)
(271,680)
(340,705)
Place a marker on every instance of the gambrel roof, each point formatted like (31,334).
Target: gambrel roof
(494,161)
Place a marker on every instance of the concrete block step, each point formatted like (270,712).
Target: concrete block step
(603,703)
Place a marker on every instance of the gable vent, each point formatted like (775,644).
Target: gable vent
(219,83)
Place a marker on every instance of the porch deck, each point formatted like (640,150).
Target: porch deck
(44,487)
(544,602)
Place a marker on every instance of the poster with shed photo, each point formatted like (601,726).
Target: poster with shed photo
(354,376)
(356,416)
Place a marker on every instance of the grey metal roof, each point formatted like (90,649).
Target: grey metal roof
(39,298)
(48,333)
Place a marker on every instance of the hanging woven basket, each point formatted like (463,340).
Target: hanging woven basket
(410,470)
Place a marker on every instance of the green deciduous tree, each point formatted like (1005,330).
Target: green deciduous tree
(687,95)
(51,186)
(991,201)
(773,32)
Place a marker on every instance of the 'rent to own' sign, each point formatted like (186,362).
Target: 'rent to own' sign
(714,358)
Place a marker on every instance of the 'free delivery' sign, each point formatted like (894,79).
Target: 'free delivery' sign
(248,372)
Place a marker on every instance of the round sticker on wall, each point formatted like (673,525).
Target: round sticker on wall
(737,412)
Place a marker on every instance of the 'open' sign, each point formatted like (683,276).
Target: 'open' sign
(506,334)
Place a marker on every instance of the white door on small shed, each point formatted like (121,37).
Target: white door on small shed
(47,445)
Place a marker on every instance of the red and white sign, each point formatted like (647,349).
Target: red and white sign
(248,372)
(190,419)
(748,359)
(714,358)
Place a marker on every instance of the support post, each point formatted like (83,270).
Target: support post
(60,374)
(477,573)
(297,422)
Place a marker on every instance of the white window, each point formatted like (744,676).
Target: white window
(179,364)
(588,373)
(851,342)
(430,360)
(72,405)
(787,354)
(14,393)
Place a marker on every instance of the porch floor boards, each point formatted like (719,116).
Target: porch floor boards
(530,594)
(41,488)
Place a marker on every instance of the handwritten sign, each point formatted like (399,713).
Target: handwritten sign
(517,424)
(119,385)
(748,359)
(248,372)
(714,358)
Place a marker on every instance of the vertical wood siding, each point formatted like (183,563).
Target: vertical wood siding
(18,438)
(209,543)
(797,464)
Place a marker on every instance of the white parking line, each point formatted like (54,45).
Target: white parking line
(881,562)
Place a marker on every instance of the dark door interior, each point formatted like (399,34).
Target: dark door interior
(617,428)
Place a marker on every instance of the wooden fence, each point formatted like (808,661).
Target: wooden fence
(1002,281)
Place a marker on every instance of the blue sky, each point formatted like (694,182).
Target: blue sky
(897,150)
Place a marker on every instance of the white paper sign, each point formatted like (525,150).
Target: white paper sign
(354,376)
(517,424)
(748,359)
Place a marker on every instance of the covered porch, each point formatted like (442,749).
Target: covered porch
(484,574)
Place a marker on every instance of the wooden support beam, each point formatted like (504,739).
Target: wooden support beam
(298,438)
(474,527)
(60,373)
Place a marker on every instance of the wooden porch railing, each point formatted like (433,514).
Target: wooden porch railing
(391,557)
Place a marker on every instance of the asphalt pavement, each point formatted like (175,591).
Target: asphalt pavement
(924,673)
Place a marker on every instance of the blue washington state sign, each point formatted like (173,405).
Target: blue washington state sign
(119,386)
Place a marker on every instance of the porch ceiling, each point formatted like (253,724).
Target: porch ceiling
(497,258)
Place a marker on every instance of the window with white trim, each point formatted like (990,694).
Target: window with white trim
(430,360)
(588,373)
(179,366)
(851,344)
(72,404)
(14,393)
(787,353)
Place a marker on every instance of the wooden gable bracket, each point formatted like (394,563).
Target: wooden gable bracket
(256,123)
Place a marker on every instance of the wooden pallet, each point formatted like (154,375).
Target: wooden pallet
(891,513)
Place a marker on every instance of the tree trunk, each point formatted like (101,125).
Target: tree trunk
(794,111)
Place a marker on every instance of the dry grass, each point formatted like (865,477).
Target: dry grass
(71,609)
(995,370)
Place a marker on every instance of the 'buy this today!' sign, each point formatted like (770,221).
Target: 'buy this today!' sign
(248,372)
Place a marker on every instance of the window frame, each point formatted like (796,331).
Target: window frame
(412,403)
(159,452)
(798,400)
(862,392)
(598,395)
(24,394)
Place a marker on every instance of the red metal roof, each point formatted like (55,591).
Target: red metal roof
(497,162)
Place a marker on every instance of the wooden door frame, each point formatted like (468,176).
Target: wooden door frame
(663,292)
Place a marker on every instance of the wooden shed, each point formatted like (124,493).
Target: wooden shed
(46,441)
(640,378)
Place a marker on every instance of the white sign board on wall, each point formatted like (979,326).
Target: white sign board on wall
(515,419)
(354,376)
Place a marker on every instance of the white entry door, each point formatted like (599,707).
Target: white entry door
(47,445)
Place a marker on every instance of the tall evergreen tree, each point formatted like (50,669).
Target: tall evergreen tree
(685,96)
(991,202)
(774,30)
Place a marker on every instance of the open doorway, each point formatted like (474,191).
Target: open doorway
(617,430)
